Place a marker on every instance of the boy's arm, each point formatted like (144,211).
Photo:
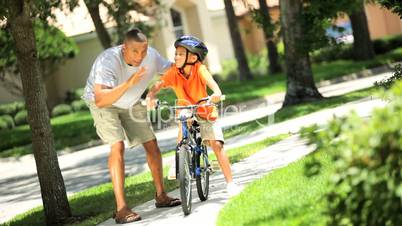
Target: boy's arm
(215,97)
(155,89)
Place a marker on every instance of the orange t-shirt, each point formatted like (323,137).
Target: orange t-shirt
(189,90)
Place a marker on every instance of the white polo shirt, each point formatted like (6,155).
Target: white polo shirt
(111,70)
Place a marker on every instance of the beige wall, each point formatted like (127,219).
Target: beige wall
(6,97)
(382,22)
(221,31)
(252,35)
(74,72)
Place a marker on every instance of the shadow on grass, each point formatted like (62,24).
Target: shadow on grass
(294,111)
(91,207)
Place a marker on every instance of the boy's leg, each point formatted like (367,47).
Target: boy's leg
(223,160)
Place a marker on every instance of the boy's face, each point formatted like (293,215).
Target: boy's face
(180,56)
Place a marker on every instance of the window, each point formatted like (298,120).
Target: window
(177,23)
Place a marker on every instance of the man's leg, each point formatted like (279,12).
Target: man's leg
(116,169)
(154,160)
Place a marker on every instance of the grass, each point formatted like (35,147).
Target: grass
(95,205)
(300,110)
(77,128)
(283,197)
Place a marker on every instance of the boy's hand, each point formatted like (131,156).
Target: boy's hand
(136,77)
(215,98)
(150,102)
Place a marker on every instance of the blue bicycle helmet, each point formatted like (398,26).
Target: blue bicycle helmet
(193,45)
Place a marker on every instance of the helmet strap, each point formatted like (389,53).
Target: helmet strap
(181,69)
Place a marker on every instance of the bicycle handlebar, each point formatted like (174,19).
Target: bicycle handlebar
(159,103)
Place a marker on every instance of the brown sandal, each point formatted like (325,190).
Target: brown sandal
(165,201)
(125,215)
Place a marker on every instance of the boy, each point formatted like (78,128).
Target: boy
(189,79)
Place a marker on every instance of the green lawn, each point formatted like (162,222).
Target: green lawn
(284,197)
(300,110)
(95,205)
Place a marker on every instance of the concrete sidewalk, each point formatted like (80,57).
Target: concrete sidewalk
(205,213)
(19,187)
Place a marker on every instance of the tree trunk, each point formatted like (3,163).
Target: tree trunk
(244,70)
(273,66)
(53,191)
(104,37)
(300,82)
(362,46)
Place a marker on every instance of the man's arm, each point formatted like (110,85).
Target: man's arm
(106,96)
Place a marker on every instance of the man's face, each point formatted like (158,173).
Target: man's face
(134,52)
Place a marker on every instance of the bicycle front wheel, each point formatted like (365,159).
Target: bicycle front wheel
(202,173)
(185,178)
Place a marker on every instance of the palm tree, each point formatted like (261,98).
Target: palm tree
(362,46)
(103,35)
(55,202)
(274,66)
(242,65)
(300,82)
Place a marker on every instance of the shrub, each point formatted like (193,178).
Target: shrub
(331,53)
(61,109)
(21,118)
(73,95)
(11,108)
(381,46)
(365,188)
(345,51)
(388,82)
(8,120)
(3,125)
(19,105)
(79,105)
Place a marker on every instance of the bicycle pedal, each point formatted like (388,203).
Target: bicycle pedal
(210,170)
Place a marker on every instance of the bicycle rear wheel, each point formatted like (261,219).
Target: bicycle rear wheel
(202,173)
(185,178)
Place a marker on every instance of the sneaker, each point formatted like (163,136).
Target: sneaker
(232,189)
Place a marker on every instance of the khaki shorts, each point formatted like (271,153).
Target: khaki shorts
(209,131)
(115,124)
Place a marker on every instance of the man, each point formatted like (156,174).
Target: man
(118,79)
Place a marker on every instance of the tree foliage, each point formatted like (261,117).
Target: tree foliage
(124,14)
(394,5)
(318,16)
(366,185)
(52,45)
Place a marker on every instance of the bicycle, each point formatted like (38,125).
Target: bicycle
(192,156)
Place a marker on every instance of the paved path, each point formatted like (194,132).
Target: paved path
(245,171)
(19,187)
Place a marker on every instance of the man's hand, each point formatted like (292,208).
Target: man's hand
(136,77)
